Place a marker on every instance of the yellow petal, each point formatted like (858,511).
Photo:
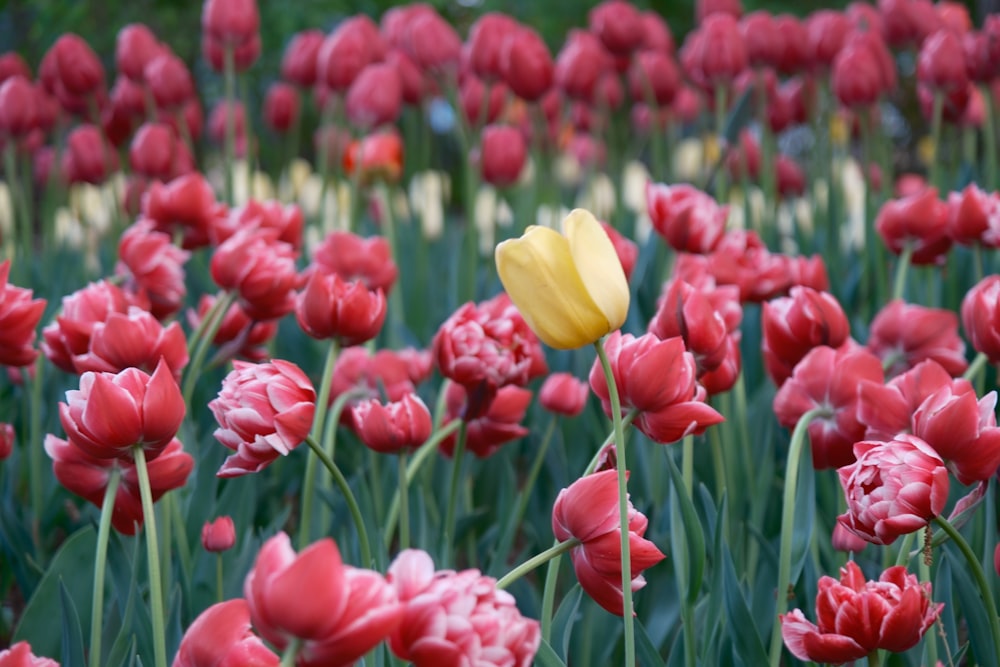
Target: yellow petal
(538,274)
(598,265)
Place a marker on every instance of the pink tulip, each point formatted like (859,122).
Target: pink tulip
(222,635)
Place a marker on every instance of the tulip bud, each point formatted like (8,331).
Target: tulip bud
(169,80)
(526,64)
(482,52)
(569,287)
(298,65)
(12,64)
(564,394)
(580,64)
(281,107)
(135,47)
(653,77)
(223,635)
(18,107)
(502,155)
(375,96)
(331,308)
(617,24)
(393,427)
(219,535)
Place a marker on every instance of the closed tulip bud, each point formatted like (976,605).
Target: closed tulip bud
(653,77)
(135,47)
(718,54)
(764,43)
(232,21)
(433,44)
(826,33)
(12,64)
(261,269)
(941,64)
(856,617)
(7,439)
(154,152)
(169,80)
(618,25)
(410,77)
(77,67)
(393,427)
(352,257)
(346,52)
(564,394)
(580,64)
(263,410)
(375,96)
(907,22)
(795,324)
(570,287)
(526,64)
(502,155)
(656,35)
(18,107)
(298,65)
(87,157)
(186,204)
(281,107)
(149,262)
(962,429)
(705,8)
(974,217)
(223,635)
(857,80)
(473,95)
(332,308)
(219,535)
(482,51)
(893,488)
(682,310)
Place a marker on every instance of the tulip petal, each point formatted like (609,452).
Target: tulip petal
(598,265)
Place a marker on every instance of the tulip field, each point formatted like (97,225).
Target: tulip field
(450,343)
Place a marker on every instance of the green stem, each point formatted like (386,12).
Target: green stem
(35,449)
(989,138)
(416,463)
(936,117)
(456,474)
(977,572)
(218,578)
(229,145)
(100,566)
(902,264)
(722,189)
(201,339)
(873,659)
(404,503)
(931,643)
(153,558)
(687,464)
(352,503)
(549,596)
(616,417)
(291,652)
(787,524)
(537,561)
(976,367)
(309,483)
(394,297)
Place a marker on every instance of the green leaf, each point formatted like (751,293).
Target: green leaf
(565,618)
(36,622)
(646,653)
(72,635)
(738,118)
(805,513)
(744,627)
(974,613)
(693,537)
(547,657)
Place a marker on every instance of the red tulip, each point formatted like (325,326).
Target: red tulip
(433,44)
(263,410)
(653,77)
(795,54)
(979,317)
(350,48)
(682,310)
(941,64)
(219,535)
(133,340)
(580,64)
(19,316)
(907,22)
(716,53)
(218,123)
(482,51)
(919,220)
(135,47)
(376,156)
(299,63)
(656,377)
(387,372)
(502,155)
(487,429)
(893,488)
(526,64)
(112,413)
(887,409)
(828,379)
(656,35)
(375,97)
(473,95)
(588,511)
(903,335)
(457,618)
(157,153)
(18,107)
(281,107)
(238,335)
(352,257)
(88,477)
(826,31)
(222,635)
(231,21)
(764,43)
(411,78)
(858,81)
(618,25)
(974,217)
(687,218)
(11,65)
(88,158)
(796,324)
(393,427)
(151,263)
(184,204)
(78,70)
(261,269)
(962,430)
(332,308)
(20,655)
(856,617)
(564,394)
(169,81)
(705,8)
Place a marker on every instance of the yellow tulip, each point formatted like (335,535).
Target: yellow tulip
(570,288)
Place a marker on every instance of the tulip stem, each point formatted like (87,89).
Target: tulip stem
(976,367)
(309,483)
(219,593)
(291,652)
(35,449)
(549,595)
(787,524)
(902,264)
(538,560)
(417,462)
(229,144)
(352,503)
(977,572)
(404,503)
(936,116)
(456,473)
(153,558)
(201,339)
(616,417)
(873,659)
(395,298)
(100,566)
(989,139)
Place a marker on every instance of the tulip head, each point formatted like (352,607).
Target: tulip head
(570,287)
